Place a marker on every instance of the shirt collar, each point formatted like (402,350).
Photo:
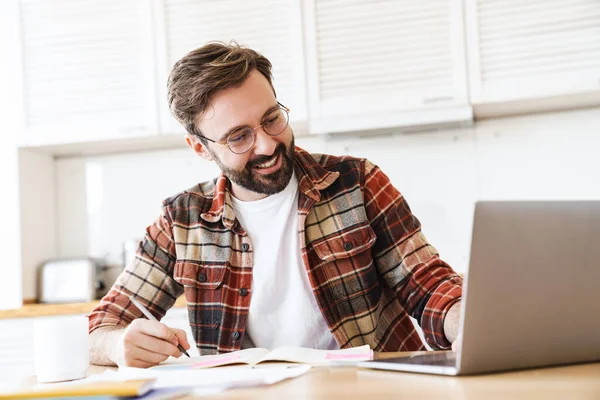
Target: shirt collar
(312,179)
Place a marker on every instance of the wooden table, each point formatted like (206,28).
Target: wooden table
(565,383)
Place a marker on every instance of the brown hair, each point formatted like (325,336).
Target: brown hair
(207,70)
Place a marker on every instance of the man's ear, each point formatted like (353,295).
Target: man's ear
(199,148)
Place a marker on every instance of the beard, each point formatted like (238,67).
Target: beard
(268,184)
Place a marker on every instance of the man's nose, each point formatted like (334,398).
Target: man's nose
(264,144)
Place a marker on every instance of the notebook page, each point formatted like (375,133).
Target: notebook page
(317,357)
(247,356)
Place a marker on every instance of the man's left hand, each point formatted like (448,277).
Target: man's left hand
(457,343)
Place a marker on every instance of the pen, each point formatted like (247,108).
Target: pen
(151,317)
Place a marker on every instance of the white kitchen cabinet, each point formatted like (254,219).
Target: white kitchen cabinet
(271,27)
(16,348)
(11,117)
(385,64)
(94,73)
(88,70)
(533,49)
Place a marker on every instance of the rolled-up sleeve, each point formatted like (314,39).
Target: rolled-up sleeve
(426,286)
(149,277)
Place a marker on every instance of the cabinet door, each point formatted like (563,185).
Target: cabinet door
(16,348)
(531,49)
(384,64)
(88,70)
(271,27)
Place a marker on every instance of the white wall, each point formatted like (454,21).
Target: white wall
(442,174)
(103,201)
(106,200)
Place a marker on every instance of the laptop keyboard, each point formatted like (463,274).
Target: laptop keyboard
(442,359)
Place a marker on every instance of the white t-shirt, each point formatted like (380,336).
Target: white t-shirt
(283,309)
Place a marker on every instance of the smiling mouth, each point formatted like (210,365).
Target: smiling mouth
(271,166)
(268,164)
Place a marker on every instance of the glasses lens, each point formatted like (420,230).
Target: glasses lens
(241,140)
(275,122)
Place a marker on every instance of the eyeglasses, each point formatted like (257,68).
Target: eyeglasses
(241,140)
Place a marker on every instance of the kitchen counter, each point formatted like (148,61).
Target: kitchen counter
(48,310)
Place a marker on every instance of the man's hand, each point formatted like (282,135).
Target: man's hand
(457,343)
(146,343)
(452,325)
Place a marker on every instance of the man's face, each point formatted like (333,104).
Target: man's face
(254,178)
(267,167)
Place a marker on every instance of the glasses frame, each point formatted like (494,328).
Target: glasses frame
(281,106)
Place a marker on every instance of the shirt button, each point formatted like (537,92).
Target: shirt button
(245,247)
(348,246)
(243,292)
(235,335)
(202,277)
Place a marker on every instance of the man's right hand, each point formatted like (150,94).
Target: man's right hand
(146,343)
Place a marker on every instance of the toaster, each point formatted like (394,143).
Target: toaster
(74,280)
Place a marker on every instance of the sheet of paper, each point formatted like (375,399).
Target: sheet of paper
(199,381)
(106,376)
(223,377)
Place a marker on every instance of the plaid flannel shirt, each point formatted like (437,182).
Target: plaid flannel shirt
(367,260)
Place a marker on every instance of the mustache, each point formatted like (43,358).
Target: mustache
(280,149)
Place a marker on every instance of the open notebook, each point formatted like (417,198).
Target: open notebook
(282,354)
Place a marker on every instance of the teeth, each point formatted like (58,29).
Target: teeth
(268,164)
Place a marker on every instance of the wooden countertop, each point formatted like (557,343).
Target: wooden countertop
(350,383)
(46,310)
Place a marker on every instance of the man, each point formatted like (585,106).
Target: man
(284,248)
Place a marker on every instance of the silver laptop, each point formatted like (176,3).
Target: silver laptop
(531,293)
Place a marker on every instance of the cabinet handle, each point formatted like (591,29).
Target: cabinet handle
(430,100)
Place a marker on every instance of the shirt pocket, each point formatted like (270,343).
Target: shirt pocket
(200,275)
(346,243)
(347,263)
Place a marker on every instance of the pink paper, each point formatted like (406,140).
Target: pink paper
(209,363)
(333,356)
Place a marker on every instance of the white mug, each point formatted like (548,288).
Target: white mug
(61,348)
